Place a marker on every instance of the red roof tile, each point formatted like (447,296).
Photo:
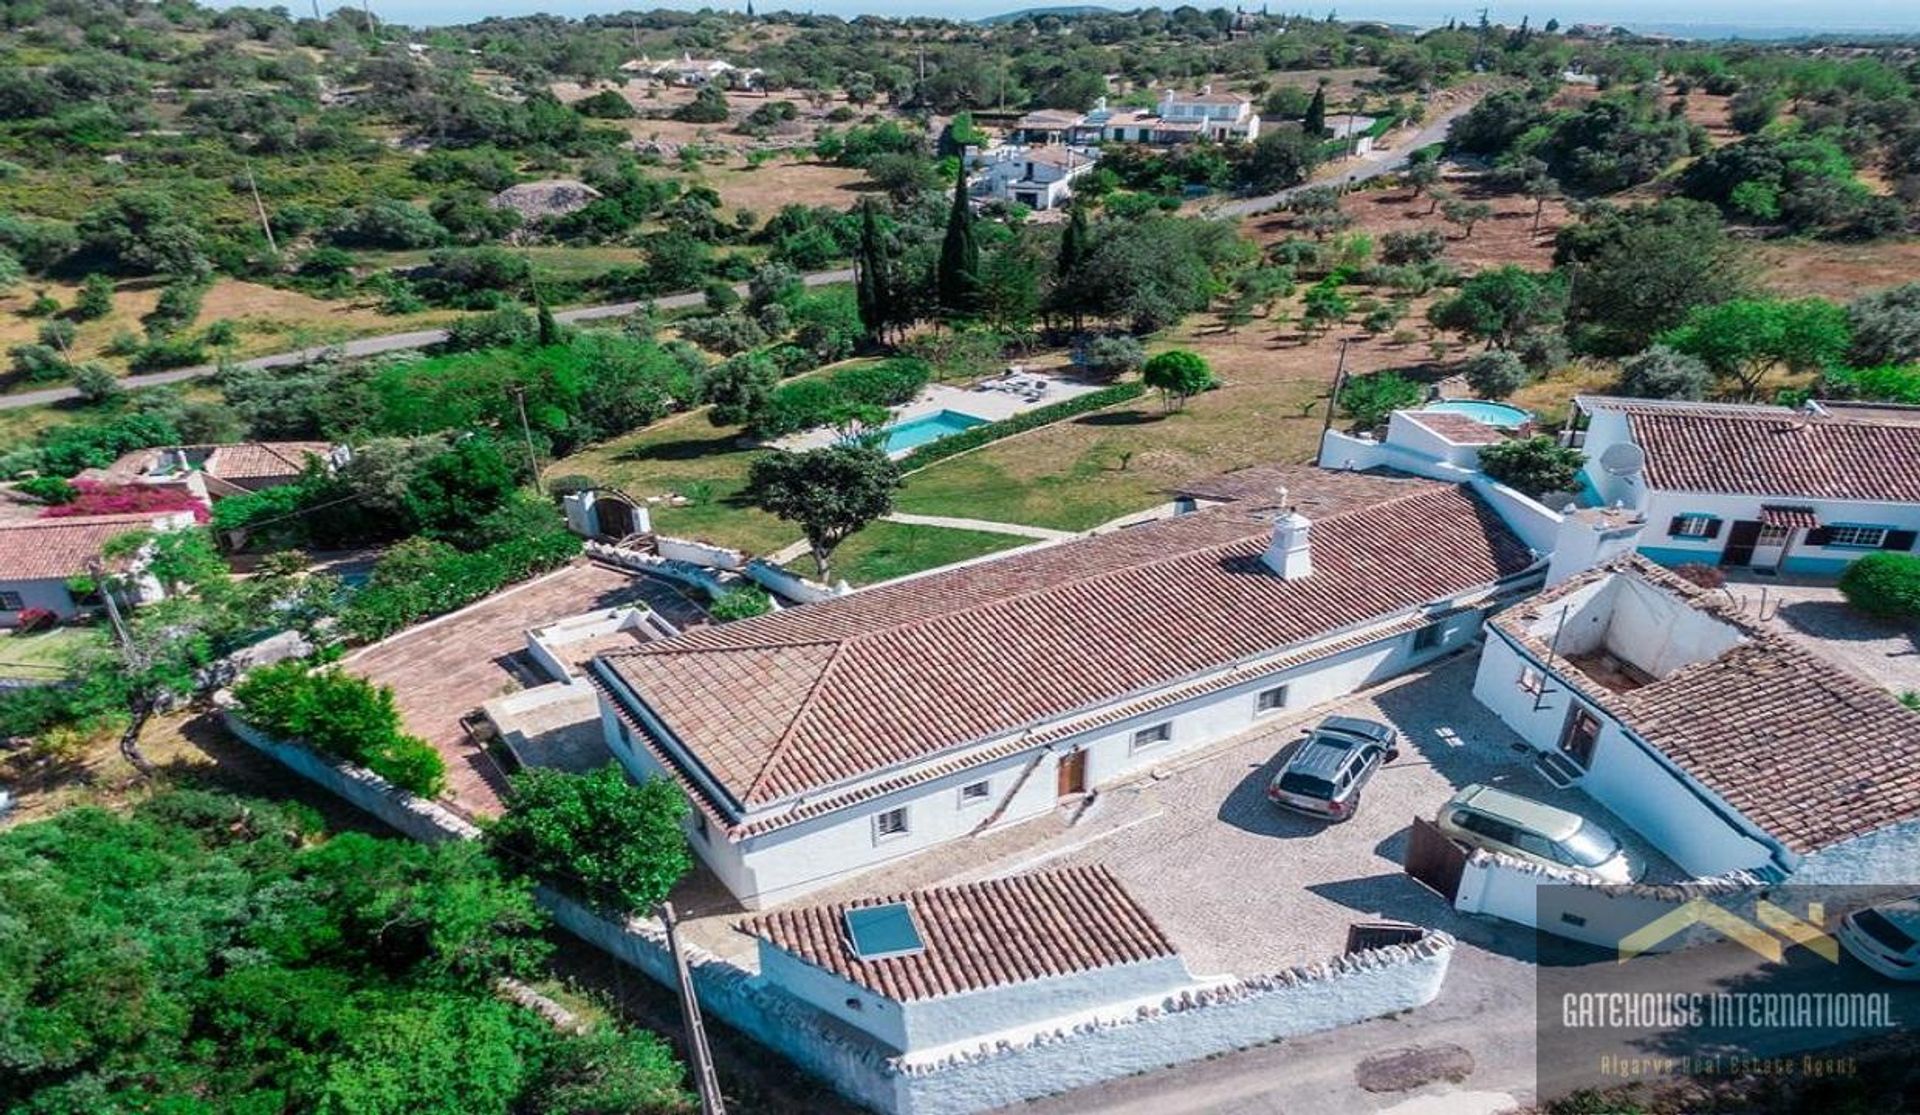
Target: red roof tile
(1456,428)
(981,935)
(43,549)
(256,460)
(1765,454)
(799,700)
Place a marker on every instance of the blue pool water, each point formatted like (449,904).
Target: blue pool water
(916,432)
(1493,414)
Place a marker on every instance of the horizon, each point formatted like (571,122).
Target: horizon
(1709,19)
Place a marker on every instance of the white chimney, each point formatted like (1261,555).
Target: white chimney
(1290,553)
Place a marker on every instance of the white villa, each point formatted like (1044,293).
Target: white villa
(1036,177)
(819,742)
(1724,743)
(1219,116)
(1763,487)
(40,559)
(691,71)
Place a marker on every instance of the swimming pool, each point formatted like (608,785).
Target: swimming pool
(1493,414)
(916,432)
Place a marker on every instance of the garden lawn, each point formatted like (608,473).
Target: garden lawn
(886,550)
(46,654)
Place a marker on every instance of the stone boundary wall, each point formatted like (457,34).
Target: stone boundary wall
(1185,1027)
(1579,909)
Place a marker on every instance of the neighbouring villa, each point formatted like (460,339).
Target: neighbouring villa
(44,563)
(1763,487)
(211,472)
(819,742)
(1037,177)
(1725,743)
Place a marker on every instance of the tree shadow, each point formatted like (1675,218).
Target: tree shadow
(1120,418)
(1835,621)
(682,449)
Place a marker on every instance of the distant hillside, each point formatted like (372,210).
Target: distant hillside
(1063,10)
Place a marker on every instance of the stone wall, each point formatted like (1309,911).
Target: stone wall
(966,1077)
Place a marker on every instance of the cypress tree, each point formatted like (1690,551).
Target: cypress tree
(1314,123)
(958,278)
(1075,242)
(871,286)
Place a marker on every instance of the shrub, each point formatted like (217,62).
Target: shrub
(1537,466)
(887,383)
(792,407)
(31,620)
(1112,356)
(341,715)
(410,586)
(741,603)
(1178,375)
(1421,246)
(1885,584)
(1370,398)
(727,334)
(1662,373)
(38,363)
(976,436)
(618,840)
(1495,374)
(96,383)
(91,497)
(506,327)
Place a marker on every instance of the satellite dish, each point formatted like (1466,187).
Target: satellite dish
(1623,459)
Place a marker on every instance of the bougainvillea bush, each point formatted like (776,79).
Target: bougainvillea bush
(91,497)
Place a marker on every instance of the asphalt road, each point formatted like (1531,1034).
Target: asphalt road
(373,346)
(1374,164)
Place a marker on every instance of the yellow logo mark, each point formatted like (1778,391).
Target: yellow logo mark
(1756,938)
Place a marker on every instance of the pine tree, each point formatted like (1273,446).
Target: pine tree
(1314,123)
(1075,243)
(872,278)
(958,278)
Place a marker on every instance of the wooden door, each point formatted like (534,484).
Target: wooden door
(1741,540)
(1578,737)
(1073,773)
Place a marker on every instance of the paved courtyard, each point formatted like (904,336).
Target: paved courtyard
(1885,652)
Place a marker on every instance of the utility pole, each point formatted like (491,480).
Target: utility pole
(136,665)
(265,225)
(704,1078)
(366,9)
(533,459)
(1333,402)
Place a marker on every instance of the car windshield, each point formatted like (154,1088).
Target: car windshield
(1311,785)
(1590,846)
(1876,925)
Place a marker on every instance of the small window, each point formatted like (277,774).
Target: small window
(890,824)
(974,793)
(700,824)
(1152,737)
(1271,700)
(1771,535)
(1867,537)
(1532,681)
(12,602)
(1428,637)
(1694,526)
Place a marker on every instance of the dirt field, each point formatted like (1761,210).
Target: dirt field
(1507,237)
(1841,272)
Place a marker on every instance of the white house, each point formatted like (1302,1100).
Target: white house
(691,71)
(1724,743)
(1036,177)
(1220,116)
(1357,130)
(1771,488)
(934,967)
(821,741)
(41,558)
(211,472)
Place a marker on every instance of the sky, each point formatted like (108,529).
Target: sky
(1715,17)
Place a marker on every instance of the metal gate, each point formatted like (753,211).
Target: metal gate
(1434,860)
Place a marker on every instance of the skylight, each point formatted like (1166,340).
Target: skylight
(879,932)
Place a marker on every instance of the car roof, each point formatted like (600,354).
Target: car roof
(1547,820)
(1354,726)
(1905,914)
(1319,755)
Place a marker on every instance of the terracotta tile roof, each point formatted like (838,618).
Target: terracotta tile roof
(1794,455)
(981,935)
(1306,487)
(1787,517)
(1456,428)
(800,700)
(258,460)
(1807,750)
(43,549)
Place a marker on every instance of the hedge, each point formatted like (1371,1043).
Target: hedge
(341,715)
(1884,584)
(975,437)
(457,580)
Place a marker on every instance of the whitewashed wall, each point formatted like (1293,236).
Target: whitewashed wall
(1661,803)
(50,594)
(1890,856)
(1566,905)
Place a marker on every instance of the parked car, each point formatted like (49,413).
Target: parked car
(1484,817)
(6,802)
(1331,766)
(1885,938)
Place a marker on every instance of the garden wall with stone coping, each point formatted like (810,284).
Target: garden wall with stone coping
(964,1078)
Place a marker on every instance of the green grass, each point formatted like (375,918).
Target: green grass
(886,550)
(47,654)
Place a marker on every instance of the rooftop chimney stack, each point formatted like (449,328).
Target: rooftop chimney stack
(1290,553)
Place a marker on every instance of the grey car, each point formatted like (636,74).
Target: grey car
(1331,766)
